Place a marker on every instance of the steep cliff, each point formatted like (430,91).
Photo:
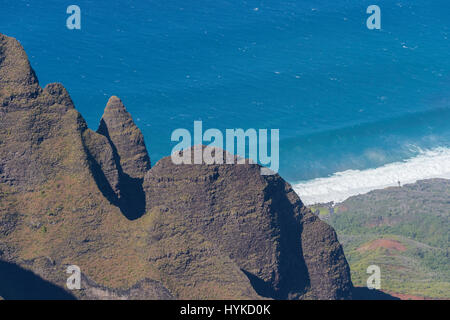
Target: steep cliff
(72,196)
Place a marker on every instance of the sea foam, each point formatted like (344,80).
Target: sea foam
(428,164)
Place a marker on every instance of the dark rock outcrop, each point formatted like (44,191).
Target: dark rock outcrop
(125,137)
(70,195)
(130,156)
(105,167)
(328,269)
(253,219)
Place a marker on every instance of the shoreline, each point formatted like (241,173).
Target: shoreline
(429,164)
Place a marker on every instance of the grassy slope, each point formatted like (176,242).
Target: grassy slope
(416,216)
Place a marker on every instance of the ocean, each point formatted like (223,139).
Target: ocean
(357,109)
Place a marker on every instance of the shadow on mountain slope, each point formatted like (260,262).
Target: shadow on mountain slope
(17,283)
(362,293)
(132,199)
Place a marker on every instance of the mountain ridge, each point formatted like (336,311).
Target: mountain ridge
(70,195)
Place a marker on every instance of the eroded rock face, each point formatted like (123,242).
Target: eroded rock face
(328,270)
(18,82)
(258,221)
(130,158)
(127,140)
(69,195)
(38,126)
(253,219)
(105,166)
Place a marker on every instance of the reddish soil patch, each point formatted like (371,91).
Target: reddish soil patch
(383,243)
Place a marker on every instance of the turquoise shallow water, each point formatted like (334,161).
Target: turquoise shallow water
(344,97)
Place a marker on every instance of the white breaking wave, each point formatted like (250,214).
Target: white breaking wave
(342,185)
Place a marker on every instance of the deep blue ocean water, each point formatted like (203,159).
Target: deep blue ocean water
(344,97)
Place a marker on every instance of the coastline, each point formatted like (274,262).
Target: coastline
(429,164)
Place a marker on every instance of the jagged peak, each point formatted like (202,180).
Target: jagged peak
(114,103)
(125,137)
(60,93)
(115,113)
(239,233)
(15,68)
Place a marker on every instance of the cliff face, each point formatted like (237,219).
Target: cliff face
(125,137)
(69,195)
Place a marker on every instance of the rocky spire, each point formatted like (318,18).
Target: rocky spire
(204,231)
(126,138)
(17,79)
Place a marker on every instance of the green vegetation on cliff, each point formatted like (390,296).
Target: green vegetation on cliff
(403,230)
(69,195)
